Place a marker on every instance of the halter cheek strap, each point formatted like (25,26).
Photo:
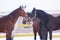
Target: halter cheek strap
(35,15)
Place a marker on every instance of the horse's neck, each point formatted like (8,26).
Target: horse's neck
(14,17)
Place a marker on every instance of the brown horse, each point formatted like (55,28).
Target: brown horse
(36,27)
(7,22)
(37,23)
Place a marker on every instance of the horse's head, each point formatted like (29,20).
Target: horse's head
(25,20)
(28,19)
(21,12)
(31,16)
(34,11)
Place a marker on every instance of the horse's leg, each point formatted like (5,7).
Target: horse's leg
(43,33)
(34,32)
(50,29)
(46,36)
(34,35)
(40,35)
(43,36)
(8,36)
(50,33)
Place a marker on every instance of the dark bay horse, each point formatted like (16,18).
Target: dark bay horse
(49,23)
(45,18)
(7,22)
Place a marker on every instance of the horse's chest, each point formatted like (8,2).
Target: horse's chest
(4,25)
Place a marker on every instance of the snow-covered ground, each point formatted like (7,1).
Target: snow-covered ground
(28,38)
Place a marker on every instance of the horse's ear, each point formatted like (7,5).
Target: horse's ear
(23,6)
(20,7)
(34,8)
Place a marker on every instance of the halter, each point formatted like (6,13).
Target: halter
(35,15)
